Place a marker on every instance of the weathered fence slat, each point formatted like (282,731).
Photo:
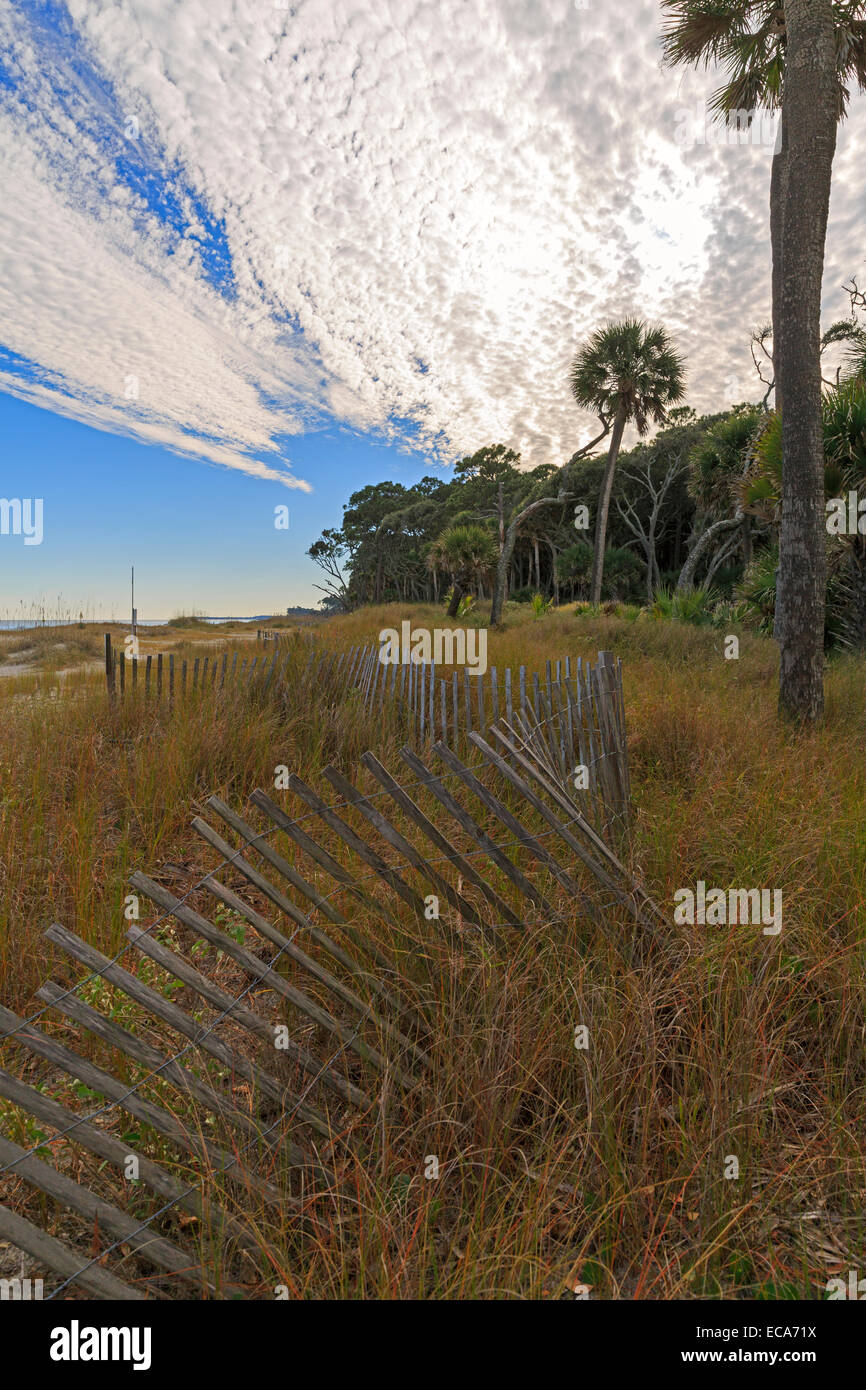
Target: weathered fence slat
(63,1261)
(241,1013)
(327,862)
(105,1146)
(465,821)
(441,843)
(390,833)
(144,1110)
(102,1214)
(177,1019)
(260,971)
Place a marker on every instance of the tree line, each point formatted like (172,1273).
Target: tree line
(735,500)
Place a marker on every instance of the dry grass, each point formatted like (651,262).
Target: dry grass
(604,1166)
(48,651)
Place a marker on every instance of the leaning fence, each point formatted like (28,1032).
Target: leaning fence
(238,1101)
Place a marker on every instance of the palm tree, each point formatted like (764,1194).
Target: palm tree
(468,552)
(748,40)
(811,87)
(800,55)
(630,373)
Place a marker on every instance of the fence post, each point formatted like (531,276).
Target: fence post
(109,667)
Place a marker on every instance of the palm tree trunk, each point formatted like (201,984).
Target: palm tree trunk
(778,186)
(456,596)
(810,112)
(604,505)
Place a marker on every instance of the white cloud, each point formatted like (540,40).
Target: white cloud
(425,207)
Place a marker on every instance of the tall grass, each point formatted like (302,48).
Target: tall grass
(605,1166)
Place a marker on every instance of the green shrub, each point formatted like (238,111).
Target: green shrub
(693,606)
(540,605)
(624,575)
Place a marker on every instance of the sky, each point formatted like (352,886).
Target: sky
(256,255)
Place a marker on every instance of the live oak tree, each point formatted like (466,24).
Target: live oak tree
(719,462)
(511,533)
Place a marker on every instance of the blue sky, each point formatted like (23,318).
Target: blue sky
(255,253)
(200,537)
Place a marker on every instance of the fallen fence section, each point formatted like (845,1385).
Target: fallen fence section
(263,1089)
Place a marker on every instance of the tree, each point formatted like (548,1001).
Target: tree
(494,479)
(646,532)
(719,462)
(328,552)
(628,372)
(811,101)
(748,40)
(505,554)
(844,437)
(468,553)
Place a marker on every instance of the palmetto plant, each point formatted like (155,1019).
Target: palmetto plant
(844,433)
(628,372)
(695,606)
(469,553)
(844,425)
(717,461)
(540,605)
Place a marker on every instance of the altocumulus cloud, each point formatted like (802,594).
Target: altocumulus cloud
(229,222)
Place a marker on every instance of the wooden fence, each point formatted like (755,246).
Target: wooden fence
(257,1123)
(162,674)
(572,715)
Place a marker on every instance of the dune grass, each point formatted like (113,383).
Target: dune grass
(608,1166)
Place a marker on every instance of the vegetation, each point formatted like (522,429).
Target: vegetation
(606,1168)
(557,1168)
(627,373)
